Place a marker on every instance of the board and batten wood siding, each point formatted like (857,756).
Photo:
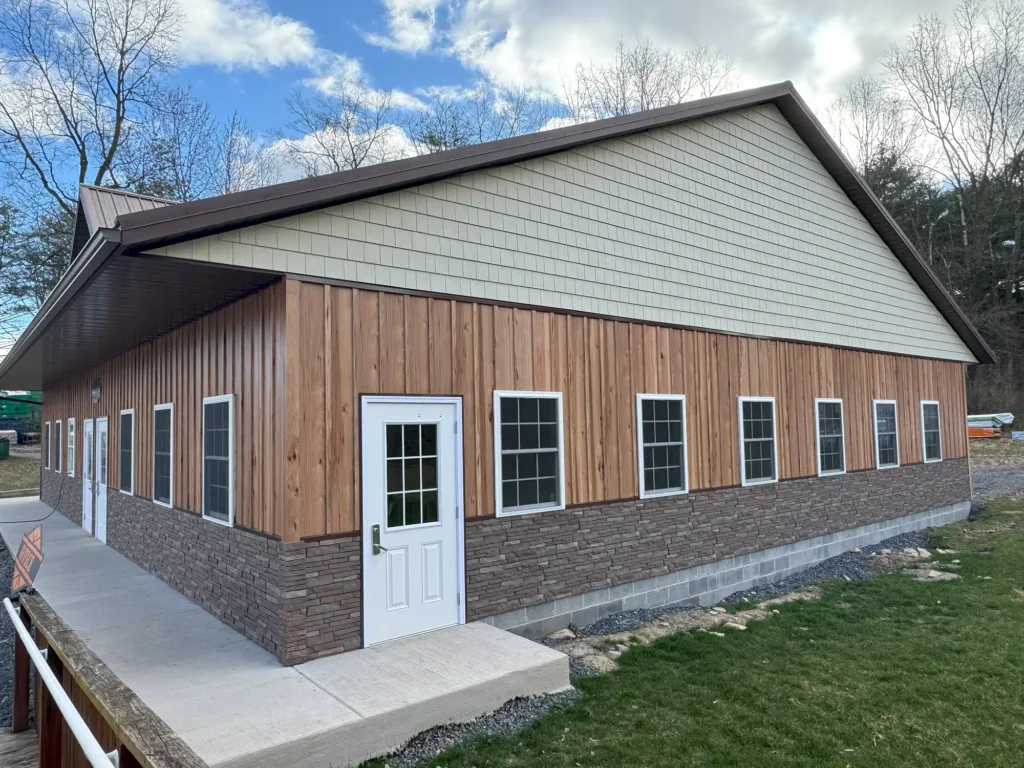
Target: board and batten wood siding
(237,349)
(727,223)
(348,342)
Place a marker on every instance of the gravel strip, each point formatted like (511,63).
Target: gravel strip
(850,566)
(512,717)
(6,641)
(995,481)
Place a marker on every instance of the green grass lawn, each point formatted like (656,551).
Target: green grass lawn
(17,473)
(888,672)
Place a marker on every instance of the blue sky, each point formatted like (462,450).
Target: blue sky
(249,55)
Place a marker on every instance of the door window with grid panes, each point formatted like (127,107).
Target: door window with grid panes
(529,447)
(662,431)
(931,431)
(411,474)
(831,449)
(757,439)
(887,450)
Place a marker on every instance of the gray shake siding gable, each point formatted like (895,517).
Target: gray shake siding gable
(726,223)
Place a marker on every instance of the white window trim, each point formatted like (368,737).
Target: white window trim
(874,427)
(640,447)
(230,399)
(938,410)
(72,446)
(817,434)
(164,407)
(120,469)
(557,397)
(58,433)
(775,441)
(48,437)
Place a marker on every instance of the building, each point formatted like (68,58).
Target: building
(651,359)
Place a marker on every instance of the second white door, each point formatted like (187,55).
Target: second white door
(88,472)
(101,479)
(412,543)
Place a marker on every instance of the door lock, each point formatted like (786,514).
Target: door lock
(377,548)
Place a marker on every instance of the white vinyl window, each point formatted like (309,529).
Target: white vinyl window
(887,443)
(163,454)
(219,459)
(126,483)
(71,447)
(828,423)
(529,464)
(758,462)
(58,442)
(46,444)
(661,444)
(931,431)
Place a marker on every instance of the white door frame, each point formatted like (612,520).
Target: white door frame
(88,471)
(460,508)
(101,485)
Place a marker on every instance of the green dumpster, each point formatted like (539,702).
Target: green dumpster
(5,448)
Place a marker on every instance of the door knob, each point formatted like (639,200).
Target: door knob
(377,548)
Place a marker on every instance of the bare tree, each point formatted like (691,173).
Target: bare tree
(77,76)
(870,120)
(483,113)
(643,76)
(349,126)
(243,160)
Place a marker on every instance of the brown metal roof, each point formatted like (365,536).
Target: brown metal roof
(130,224)
(99,208)
(185,221)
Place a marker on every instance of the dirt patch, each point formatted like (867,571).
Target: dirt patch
(17,473)
(997,452)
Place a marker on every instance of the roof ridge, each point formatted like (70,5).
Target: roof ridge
(127,193)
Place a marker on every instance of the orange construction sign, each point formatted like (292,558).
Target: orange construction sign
(30,557)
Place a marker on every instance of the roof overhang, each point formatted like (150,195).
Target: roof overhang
(110,301)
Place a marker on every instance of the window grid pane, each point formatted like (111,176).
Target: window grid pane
(529,452)
(662,435)
(758,440)
(411,474)
(830,437)
(127,429)
(162,456)
(217,461)
(932,437)
(885,428)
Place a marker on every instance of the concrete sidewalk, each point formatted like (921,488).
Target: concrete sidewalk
(233,702)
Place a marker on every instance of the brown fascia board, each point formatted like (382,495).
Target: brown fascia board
(186,221)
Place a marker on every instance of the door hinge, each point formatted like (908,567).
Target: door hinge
(455,426)
(458,511)
(458,598)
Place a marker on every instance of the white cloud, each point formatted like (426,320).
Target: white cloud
(334,72)
(242,34)
(411,25)
(820,46)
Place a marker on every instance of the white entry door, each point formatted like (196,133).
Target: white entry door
(412,527)
(101,480)
(87,473)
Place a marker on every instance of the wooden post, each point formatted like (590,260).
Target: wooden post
(127,759)
(22,670)
(51,730)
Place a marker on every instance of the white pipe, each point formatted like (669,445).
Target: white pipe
(93,751)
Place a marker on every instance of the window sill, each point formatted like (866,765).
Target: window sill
(663,494)
(887,466)
(126,493)
(834,473)
(529,511)
(933,461)
(226,523)
(165,504)
(748,483)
